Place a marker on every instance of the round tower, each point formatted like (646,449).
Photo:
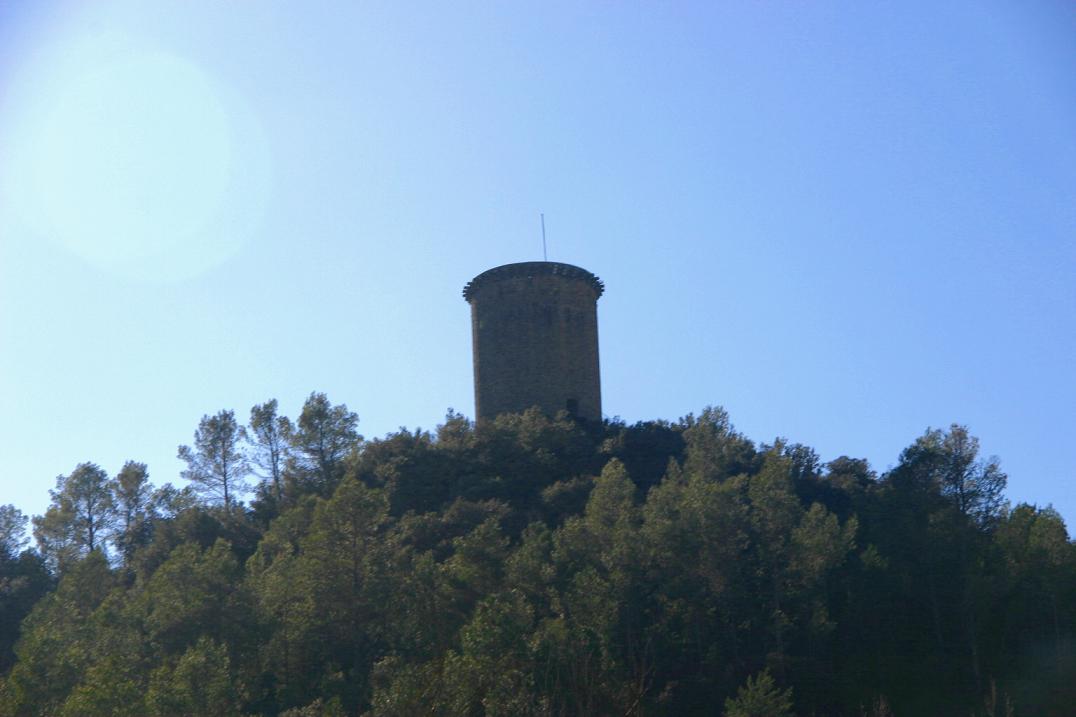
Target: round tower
(534,328)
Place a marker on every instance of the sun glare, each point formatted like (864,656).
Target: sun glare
(137,161)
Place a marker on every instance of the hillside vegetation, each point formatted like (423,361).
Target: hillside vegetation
(536,566)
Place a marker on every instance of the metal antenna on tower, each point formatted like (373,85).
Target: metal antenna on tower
(545,257)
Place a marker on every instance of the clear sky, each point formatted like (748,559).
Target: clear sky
(844,222)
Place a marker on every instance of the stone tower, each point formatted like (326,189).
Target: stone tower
(534,329)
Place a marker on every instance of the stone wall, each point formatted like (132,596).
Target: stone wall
(535,339)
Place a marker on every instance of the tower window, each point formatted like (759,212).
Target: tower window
(572,406)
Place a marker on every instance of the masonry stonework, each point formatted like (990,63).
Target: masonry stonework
(534,329)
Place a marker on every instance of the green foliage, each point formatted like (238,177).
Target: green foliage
(191,594)
(537,566)
(59,640)
(760,697)
(317,708)
(949,462)
(132,493)
(217,464)
(107,688)
(79,519)
(713,448)
(323,436)
(268,437)
(198,683)
(12,531)
(23,581)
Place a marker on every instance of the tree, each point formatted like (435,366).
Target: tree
(492,570)
(959,499)
(713,448)
(131,492)
(329,602)
(1041,562)
(54,533)
(976,485)
(200,683)
(324,435)
(80,518)
(12,531)
(193,593)
(23,579)
(949,463)
(760,697)
(58,640)
(217,466)
(268,436)
(775,512)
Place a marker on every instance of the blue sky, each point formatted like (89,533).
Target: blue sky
(844,222)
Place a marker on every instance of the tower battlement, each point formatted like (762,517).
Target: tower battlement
(529,269)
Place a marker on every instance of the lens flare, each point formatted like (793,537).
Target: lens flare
(138,162)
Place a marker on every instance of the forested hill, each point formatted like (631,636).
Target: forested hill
(536,566)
